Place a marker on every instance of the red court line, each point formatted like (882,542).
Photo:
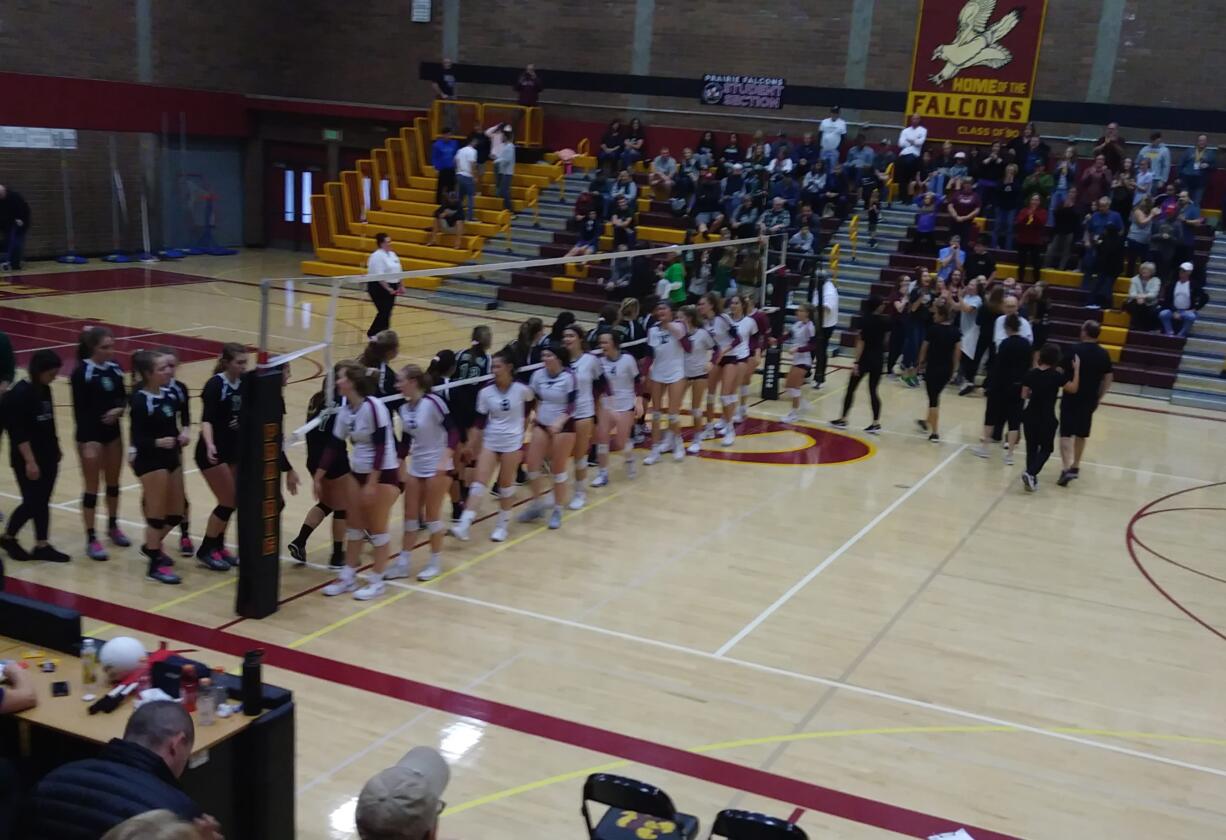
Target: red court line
(1165,411)
(796,815)
(752,780)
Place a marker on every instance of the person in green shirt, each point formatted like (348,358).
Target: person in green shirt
(1039,181)
(675,275)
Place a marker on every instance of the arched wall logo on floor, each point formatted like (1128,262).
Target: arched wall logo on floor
(790,445)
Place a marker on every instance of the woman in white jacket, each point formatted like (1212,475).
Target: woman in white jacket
(382,260)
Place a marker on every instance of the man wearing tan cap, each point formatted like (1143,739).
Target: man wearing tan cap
(404,802)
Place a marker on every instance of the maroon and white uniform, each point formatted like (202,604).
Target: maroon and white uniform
(668,352)
(622,374)
(721,330)
(428,434)
(801,335)
(369,429)
(763,332)
(500,416)
(555,395)
(699,355)
(746,329)
(587,373)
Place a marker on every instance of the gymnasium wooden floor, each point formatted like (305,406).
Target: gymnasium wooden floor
(900,643)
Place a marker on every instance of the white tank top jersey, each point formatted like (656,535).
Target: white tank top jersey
(427,424)
(504,416)
(745,328)
(621,374)
(802,333)
(363,427)
(698,357)
(555,395)
(720,328)
(668,363)
(586,370)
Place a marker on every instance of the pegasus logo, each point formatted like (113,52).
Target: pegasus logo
(976,43)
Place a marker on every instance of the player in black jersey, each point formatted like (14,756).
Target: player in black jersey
(337,484)
(34,455)
(381,351)
(462,400)
(177,392)
(157,444)
(98,403)
(217,451)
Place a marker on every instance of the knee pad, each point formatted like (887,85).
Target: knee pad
(532,475)
(354,534)
(727,399)
(602,449)
(339,514)
(793,392)
(380,540)
(223,513)
(411,526)
(173,521)
(507,492)
(435,527)
(560,478)
(156,524)
(322,508)
(112,491)
(89,500)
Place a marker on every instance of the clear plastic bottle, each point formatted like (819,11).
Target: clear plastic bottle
(89,665)
(206,703)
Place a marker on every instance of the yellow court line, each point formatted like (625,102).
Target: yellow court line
(173,602)
(825,733)
(480,558)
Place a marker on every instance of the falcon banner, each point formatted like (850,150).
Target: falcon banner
(972,73)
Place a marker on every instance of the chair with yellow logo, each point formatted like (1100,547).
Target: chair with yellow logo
(637,811)
(748,825)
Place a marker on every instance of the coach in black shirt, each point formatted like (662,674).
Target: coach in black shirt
(979,263)
(1077,408)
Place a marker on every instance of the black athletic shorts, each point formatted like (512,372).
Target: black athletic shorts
(202,457)
(1075,419)
(98,432)
(1004,408)
(162,459)
(935,381)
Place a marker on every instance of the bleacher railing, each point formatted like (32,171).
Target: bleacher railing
(463,116)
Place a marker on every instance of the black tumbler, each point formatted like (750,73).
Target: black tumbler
(253,682)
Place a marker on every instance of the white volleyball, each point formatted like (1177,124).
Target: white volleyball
(120,656)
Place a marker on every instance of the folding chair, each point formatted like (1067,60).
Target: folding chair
(636,810)
(747,825)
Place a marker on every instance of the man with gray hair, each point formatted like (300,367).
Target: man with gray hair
(404,802)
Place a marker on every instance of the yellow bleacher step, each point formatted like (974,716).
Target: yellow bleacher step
(1113,350)
(576,269)
(562,284)
(471,244)
(319,268)
(357,259)
(417,208)
(419,222)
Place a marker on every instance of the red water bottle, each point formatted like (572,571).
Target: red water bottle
(188,684)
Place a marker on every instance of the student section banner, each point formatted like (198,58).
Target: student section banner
(973,69)
(736,91)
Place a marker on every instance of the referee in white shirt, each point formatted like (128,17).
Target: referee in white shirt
(826,309)
(910,146)
(383,260)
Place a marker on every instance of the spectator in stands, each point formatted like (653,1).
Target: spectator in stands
(733,187)
(82,800)
(910,146)
(978,263)
(813,186)
(776,220)
(663,171)
(756,158)
(923,179)
(528,87)
(1123,185)
(1111,147)
(466,175)
(1019,146)
(1007,195)
(859,163)
(807,218)
(1039,181)
(1104,245)
(690,164)
(759,140)
(745,218)
(708,206)
(833,129)
(950,257)
(599,189)
(404,802)
(1197,166)
(1143,181)
(611,146)
(442,158)
(1037,152)
(963,207)
(635,144)
(802,242)
(989,175)
(444,88)
(624,221)
(926,224)
(704,150)
(731,155)
(780,164)
(758,187)
(590,229)
(503,155)
(1189,213)
(681,200)
(1144,291)
(1066,229)
(786,189)
(621,273)
(782,143)
(160,825)
(1159,156)
(1064,178)
(806,152)
(448,218)
(1179,299)
(882,161)
(624,187)
(1166,240)
(938,167)
(837,195)
(919,316)
(959,168)
(1028,231)
(1140,231)
(1095,182)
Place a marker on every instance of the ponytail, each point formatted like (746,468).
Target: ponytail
(88,343)
(229,352)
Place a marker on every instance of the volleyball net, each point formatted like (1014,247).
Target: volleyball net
(312,323)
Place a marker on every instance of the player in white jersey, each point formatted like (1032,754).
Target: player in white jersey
(365,422)
(668,342)
(621,372)
(429,438)
(697,360)
(553,435)
(802,336)
(498,435)
(589,379)
(734,362)
(719,326)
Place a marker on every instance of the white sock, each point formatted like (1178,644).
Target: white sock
(405,555)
